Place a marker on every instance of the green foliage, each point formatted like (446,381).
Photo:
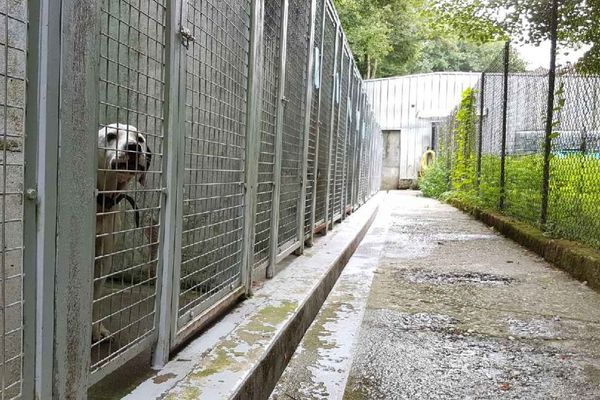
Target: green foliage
(434,182)
(574,203)
(399,37)
(368,29)
(527,21)
(464,157)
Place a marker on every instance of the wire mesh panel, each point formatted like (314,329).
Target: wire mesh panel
(270,90)
(293,122)
(334,212)
(13,50)
(489,186)
(363,151)
(329,38)
(130,140)
(357,146)
(215,125)
(314,119)
(574,195)
(340,169)
(351,142)
(527,101)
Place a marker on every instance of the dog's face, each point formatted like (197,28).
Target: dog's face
(123,153)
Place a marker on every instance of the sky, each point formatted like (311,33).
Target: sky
(539,56)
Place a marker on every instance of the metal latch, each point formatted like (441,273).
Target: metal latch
(31,194)
(186,36)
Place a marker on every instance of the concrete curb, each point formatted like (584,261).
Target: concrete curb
(244,354)
(579,260)
(264,376)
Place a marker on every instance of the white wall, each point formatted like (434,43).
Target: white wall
(410,103)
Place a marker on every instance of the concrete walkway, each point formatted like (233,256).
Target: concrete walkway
(435,305)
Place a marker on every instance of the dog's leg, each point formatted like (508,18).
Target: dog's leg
(103,266)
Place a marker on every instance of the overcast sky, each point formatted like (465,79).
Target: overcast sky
(539,56)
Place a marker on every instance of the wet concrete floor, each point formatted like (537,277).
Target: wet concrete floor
(435,305)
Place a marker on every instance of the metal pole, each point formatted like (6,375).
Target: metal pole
(76,200)
(170,256)
(308,108)
(480,139)
(254,96)
(504,121)
(39,218)
(274,242)
(549,116)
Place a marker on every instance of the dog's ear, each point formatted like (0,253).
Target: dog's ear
(142,177)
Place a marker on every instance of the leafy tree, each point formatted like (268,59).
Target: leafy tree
(368,31)
(399,37)
(528,21)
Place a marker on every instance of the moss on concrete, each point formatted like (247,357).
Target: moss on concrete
(187,393)
(579,260)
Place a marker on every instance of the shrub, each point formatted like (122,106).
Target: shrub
(434,182)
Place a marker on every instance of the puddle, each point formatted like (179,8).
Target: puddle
(454,278)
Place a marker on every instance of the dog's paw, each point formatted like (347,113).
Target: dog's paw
(99,332)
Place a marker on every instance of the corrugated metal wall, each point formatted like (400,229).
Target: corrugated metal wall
(410,104)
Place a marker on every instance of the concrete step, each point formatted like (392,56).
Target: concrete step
(320,366)
(243,355)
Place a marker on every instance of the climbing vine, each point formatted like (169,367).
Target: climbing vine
(464,160)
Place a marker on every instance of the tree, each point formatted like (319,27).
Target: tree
(528,21)
(368,31)
(399,37)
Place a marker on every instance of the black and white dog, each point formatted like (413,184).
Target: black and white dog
(123,157)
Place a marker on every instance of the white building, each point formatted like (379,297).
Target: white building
(407,109)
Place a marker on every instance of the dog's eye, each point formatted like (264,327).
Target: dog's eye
(110,136)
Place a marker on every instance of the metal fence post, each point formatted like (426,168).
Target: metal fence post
(321,27)
(549,116)
(480,133)
(504,122)
(76,202)
(274,242)
(167,313)
(41,156)
(331,133)
(308,108)
(255,68)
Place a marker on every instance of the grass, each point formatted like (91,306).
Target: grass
(573,200)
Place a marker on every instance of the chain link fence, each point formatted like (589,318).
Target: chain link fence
(527,143)
(197,144)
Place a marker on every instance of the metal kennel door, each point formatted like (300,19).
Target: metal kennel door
(214,95)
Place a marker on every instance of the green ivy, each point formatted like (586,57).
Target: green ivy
(464,161)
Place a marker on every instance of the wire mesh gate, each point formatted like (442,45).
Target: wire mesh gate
(270,105)
(325,118)
(290,185)
(216,65)
(185,107)
(12,136)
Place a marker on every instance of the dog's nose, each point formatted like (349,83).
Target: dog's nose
(134,147)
